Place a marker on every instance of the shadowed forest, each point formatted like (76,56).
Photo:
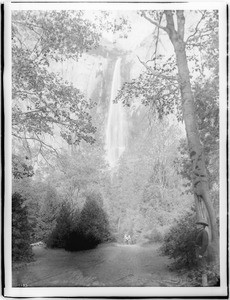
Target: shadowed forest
(115,153)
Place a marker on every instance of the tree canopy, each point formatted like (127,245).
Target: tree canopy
(43,103)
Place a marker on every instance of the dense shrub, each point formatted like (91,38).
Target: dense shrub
(93,226)
(79,240)
(195,276)
(179,242)
(21,230)
(64,224)
(93,219)
(154,236)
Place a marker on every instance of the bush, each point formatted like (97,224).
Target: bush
(155,236)
(93,219)
(64,225)
(21,230)
(79,240)
(195,276)
(93,226)
(179,242)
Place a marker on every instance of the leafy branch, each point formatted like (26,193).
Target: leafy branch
(38,140)
(155,73)
(143,14)
(203,15)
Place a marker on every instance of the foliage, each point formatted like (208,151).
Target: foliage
(78,240)
(78,171)
(184,165)
(65,223)
(48,213)
(206,95)
(194,276)
(22,172)
(194,77)
(179,245)
(37,194)
(55,29)
(144,195)
(204,39)
(21,168)
(207,110)
(93,219)
(179,242)
(93,226)
(74,174)
(154,236)
(157,88)
(42,102)
(21,230)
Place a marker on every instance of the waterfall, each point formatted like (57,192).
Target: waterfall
(116,125)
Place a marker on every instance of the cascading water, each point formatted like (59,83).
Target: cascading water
(116,125)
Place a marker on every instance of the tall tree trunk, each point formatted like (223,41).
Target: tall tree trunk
(199,176)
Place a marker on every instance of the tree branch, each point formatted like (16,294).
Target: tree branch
(153,22)
(29,112)
(24,92)
(196,29)
(157,40)
(38,41)
(43,155)
(35,139)
(27,144)
(154,73)
(27,24)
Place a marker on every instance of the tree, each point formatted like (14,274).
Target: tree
(182,83)
(43,103)
(21,230)
(92,228)
(65,222)
(48,213)
(179,242)
(93,220)
(199,174)
(79,170)
(206,97)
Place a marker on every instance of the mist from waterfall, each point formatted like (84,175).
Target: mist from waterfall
(116,125)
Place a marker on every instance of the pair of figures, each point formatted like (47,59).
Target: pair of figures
(127,239)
